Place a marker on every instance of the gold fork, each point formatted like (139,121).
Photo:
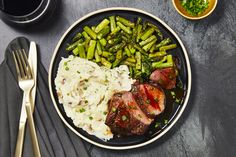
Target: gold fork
(26,83)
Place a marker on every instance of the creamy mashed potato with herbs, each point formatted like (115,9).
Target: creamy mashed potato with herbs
(84,88)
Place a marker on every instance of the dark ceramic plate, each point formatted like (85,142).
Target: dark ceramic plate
(173,110)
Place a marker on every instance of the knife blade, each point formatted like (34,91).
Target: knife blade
(32,59)
(33,62)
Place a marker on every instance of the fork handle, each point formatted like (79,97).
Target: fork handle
(32,130)
(20,140)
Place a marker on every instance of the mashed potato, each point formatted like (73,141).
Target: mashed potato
(84,89)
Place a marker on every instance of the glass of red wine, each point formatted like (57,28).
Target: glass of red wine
(25,12)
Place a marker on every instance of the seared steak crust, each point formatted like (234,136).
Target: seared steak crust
(125,116)
(166,78)
(131,113)
(150,98)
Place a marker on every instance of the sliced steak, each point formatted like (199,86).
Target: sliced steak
(151,99)
(166,78)
(125,116)
(114,104)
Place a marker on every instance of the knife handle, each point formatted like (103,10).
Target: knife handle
(32,130)
(20,140)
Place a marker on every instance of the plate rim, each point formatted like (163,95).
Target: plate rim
(189,76)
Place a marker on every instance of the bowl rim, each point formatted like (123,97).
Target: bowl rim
(195,18)
(189,76)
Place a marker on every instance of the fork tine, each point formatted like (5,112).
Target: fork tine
(28,69)
(23,62)
(17,66)
(20,65)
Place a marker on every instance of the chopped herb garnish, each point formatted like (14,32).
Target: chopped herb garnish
(82,110)
(165,121)
(78,72)
(157,124)
(139,115)
(113,109)
(66,63)
(86,80)
(195,7)
(105,112)
(156,99)
(85,88)
(132,107)
(177,100)
(91,118)
(124,118)
(106,78)
(66,68)
(86,101)
(172,93)
(148,101)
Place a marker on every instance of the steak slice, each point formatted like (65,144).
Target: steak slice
(125,116)
(151,99)
(166,78)
(113,106)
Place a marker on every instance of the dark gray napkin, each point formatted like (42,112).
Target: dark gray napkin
(55,140)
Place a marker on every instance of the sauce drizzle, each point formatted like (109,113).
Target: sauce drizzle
(150,97)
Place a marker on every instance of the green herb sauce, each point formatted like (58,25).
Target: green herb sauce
(195,7)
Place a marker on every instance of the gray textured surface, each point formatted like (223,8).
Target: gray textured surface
(208,125)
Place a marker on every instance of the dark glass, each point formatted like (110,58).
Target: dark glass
(20,7)
(26,12)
